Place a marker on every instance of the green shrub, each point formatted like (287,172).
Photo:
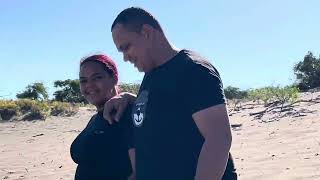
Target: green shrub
(287,94)
(235,93)
(129,87)
(32,109)
(27,109)
(8,109)
(63,108)
(270,95)
(25,105)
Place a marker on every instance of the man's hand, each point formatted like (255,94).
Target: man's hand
(114,107)
(132,177)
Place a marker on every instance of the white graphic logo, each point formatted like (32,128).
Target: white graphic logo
(139,109)
(138,117)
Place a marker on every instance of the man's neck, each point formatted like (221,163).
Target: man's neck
(165,53)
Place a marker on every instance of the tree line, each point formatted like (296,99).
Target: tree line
(34,103)
(306,71)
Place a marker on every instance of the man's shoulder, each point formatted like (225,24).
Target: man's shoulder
(196,62)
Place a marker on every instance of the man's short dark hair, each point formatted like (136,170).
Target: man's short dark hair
(134,17)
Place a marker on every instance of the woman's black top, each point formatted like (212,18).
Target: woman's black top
(101,149)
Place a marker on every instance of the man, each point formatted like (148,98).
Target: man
(182,129)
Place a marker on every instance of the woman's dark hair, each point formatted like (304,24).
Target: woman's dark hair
(106,62)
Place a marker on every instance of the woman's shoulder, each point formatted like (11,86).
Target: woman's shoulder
(92,119)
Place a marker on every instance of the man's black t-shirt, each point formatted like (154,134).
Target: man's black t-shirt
(101,149)
(168,142)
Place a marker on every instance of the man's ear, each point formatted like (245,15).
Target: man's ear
(146,31)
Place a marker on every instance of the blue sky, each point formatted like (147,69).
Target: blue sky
(253,43)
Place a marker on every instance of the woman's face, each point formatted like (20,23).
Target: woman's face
(96,84)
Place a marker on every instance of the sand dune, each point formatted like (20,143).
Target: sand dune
(287,147)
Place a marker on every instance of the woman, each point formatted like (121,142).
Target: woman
(102,150)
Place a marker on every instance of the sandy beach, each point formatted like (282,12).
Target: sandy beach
(277,146)
(285,148)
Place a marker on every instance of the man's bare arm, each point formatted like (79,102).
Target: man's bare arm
(214,126)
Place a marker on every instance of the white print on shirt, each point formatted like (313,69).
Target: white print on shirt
(139,109)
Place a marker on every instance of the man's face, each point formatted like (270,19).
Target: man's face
(133,46)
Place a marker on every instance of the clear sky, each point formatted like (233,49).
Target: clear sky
(253,43)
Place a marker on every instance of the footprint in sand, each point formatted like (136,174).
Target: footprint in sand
(30,140)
